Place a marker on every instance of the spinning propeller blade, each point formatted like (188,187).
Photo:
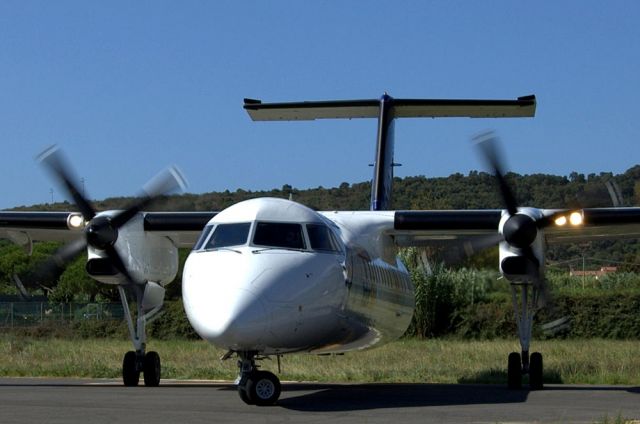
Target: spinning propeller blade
(488,145)
(520,230)
(54,161)
(101,232)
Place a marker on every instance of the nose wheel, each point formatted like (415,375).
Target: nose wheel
(256,387)
(261,388)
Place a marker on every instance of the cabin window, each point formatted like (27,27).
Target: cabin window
(203,237)
(226,235)
(321,238)
(279,234)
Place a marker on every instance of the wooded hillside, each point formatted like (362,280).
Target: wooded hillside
(475,190)
(457,191)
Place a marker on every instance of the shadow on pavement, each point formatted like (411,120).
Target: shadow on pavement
(332,398)
(376,396)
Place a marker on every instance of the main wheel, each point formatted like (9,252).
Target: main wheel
(152,369)
(514,371)
(130,373)
(535,371)
(263,388)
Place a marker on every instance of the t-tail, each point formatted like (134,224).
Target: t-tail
(387,109)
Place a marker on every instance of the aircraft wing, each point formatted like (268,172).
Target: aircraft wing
(408,228)
(442,227)
(599,224)
(415,228)
(24,228)
(477,229)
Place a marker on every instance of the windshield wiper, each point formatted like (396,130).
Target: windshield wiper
(277,248)
(223,248)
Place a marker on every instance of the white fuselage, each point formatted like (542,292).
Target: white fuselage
(272,276)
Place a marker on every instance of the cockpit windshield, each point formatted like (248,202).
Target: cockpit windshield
(225,235)
(278,234)
(321,238)
(203,237)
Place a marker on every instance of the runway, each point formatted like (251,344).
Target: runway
(30,400)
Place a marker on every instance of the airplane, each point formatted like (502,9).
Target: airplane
(270,276)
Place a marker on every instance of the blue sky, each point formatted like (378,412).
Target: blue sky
(127,88)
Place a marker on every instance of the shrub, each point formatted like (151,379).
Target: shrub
(441,292)
(173,323)
(612,315)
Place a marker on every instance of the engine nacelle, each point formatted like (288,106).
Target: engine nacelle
(147,256)
(523,258)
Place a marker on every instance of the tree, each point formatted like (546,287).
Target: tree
(75,285)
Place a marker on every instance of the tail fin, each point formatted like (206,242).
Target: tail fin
(387,109)
(382,182)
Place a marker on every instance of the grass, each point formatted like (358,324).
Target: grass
(619,419)
(593,361)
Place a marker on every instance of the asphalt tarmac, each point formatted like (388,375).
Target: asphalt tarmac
(30,400)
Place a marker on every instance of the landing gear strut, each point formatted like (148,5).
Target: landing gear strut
(256,387)
(139,361)
(519,364)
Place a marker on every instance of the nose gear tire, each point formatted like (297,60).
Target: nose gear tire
(262,388)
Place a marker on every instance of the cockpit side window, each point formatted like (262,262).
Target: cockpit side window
(278,234)
(321,238)
(203,237)
(226,235)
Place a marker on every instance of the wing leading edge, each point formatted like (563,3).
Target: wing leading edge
(23,228)
(415,228)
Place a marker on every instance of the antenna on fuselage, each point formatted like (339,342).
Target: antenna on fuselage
(387,109)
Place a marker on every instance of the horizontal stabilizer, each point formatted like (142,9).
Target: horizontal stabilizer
(403,108)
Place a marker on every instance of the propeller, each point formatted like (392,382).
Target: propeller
(520,230)
(101,232)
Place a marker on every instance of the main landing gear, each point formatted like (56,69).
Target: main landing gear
(520,364)
(139,361)
(136,362)
(256,387)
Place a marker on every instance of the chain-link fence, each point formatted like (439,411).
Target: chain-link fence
(25,314)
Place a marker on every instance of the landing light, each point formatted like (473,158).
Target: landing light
(575,218)
(75,221)
(561,220)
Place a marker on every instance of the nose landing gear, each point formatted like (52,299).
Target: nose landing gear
(256,387)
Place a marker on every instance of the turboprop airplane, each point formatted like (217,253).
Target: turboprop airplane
(271,276)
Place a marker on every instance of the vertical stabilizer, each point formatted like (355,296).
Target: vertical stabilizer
(382,182)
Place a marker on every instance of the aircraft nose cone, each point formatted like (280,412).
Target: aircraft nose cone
(233,319)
